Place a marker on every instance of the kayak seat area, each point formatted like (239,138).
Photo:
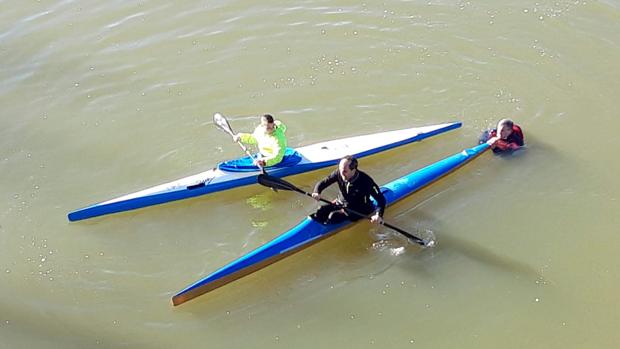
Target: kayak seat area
(246,164)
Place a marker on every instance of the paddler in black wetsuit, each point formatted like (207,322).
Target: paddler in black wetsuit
(356,189)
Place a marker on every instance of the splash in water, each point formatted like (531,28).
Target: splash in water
(428,237)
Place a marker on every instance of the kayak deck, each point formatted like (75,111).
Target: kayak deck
(309,232)
(312,157)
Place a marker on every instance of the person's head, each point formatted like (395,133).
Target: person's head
(504,128)
(267,122)
(347,167)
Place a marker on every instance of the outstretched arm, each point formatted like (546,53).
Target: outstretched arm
(324,183)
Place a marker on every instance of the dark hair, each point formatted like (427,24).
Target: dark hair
(352,162)
(506,122)
(269,118)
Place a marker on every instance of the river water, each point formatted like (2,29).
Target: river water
(98,99)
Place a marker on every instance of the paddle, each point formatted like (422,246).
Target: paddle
(279,183)
(220,122)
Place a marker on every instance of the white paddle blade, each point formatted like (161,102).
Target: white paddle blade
(220,122)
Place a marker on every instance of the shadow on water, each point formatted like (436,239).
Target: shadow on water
(478,253)
(424,261)
(540,159)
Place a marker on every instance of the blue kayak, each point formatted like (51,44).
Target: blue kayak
(309,232)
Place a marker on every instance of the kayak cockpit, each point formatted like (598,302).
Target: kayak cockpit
(246,164)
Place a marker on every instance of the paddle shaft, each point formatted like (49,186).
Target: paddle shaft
(228,129)
(407,234)
(247,152)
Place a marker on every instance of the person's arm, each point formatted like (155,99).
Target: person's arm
(245,138)
(492,138)
(492,142)
(504,145)
(501,145)
(280,126)
(513,146)
(277,145)
(518,136)
(324,183)
(376,193)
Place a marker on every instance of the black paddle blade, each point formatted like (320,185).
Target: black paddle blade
(220,121)
(275,183)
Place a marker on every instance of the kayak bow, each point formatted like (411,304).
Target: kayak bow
(240,172)
(309,232)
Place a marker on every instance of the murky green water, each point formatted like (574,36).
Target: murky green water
(98,99)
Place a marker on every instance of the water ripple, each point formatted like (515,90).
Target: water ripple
(123,20)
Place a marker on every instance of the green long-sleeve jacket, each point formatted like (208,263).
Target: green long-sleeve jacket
(271,146)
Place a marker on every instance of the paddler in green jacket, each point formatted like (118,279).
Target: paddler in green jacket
(269,138)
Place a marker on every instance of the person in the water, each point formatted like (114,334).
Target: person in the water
(507,137)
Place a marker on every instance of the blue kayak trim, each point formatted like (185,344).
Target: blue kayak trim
(104,208)
(309,232)
(155,199)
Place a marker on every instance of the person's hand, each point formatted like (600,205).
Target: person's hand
(259,163)
(316,196)
(236,138)
(376,219)
(514,146)
(492,141)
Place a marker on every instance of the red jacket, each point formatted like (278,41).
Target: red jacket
(513,142)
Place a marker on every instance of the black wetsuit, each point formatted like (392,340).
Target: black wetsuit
(354,194)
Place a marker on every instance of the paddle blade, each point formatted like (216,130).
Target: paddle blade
(276,183)
(220,122)
(429,238)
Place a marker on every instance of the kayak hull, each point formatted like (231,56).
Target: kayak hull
(313,157)
(303,235)
(309,232)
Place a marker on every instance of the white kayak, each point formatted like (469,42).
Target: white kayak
(241,172)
